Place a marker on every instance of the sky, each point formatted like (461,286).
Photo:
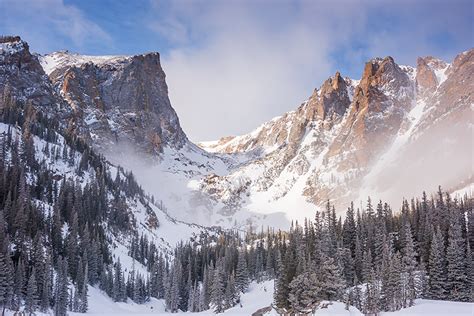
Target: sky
(232,65)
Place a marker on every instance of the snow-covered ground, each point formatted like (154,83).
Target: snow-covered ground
(435,308)
(259,296)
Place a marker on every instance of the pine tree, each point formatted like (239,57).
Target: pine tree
(241,274)
(31,301)
(218,288)
(305,292)
(437,268)
(470,272)
(6,280)
(456,282)
(349,230)
(367,265)
(83,298)
(230,292)
(20,281)
(409,267)
(61,295)
(331,280)
(47,284)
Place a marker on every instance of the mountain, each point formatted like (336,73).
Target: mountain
(117,101)
(353,138)
(346,141)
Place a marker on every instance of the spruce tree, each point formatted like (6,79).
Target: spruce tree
(456,282)
(218,288)
(31,301)
(437,268)
(241,273)
(409,267)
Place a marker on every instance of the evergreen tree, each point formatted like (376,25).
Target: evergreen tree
(241,274)
(456,282)
(437,268)
(31,301)
(332,281)
(305,292)
(218,288)
(61,294)
(409,266)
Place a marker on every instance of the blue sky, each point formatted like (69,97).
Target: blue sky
(231,65)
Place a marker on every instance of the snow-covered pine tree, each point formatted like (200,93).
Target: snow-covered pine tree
(241,273)
(331,281)
(305,292)
(31,300)
(409,267)
(367,265)
(218,287)
(456,282)
(61,294)
(437,267)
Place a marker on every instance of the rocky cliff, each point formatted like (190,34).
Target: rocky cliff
(117,100)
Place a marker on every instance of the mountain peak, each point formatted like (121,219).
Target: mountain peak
(429,73)
(331,99)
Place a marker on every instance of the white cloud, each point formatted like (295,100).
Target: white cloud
(236,64)
(247,67)
(47,24)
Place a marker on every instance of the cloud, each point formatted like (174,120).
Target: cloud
(236,64)
(51,24)
(237,68)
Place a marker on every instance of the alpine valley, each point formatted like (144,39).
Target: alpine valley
(107,207)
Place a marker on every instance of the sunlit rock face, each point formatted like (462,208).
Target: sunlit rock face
(117,100)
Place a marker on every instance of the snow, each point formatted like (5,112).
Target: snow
(10,48)
(441,75)
(53,61)
(101,304)
(260,295)
(467,190)
(369,186)
(435,308)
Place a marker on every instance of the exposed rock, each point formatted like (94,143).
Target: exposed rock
(118,100)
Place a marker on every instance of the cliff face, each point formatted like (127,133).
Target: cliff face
(22,76)
(117,100)
(107,101)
